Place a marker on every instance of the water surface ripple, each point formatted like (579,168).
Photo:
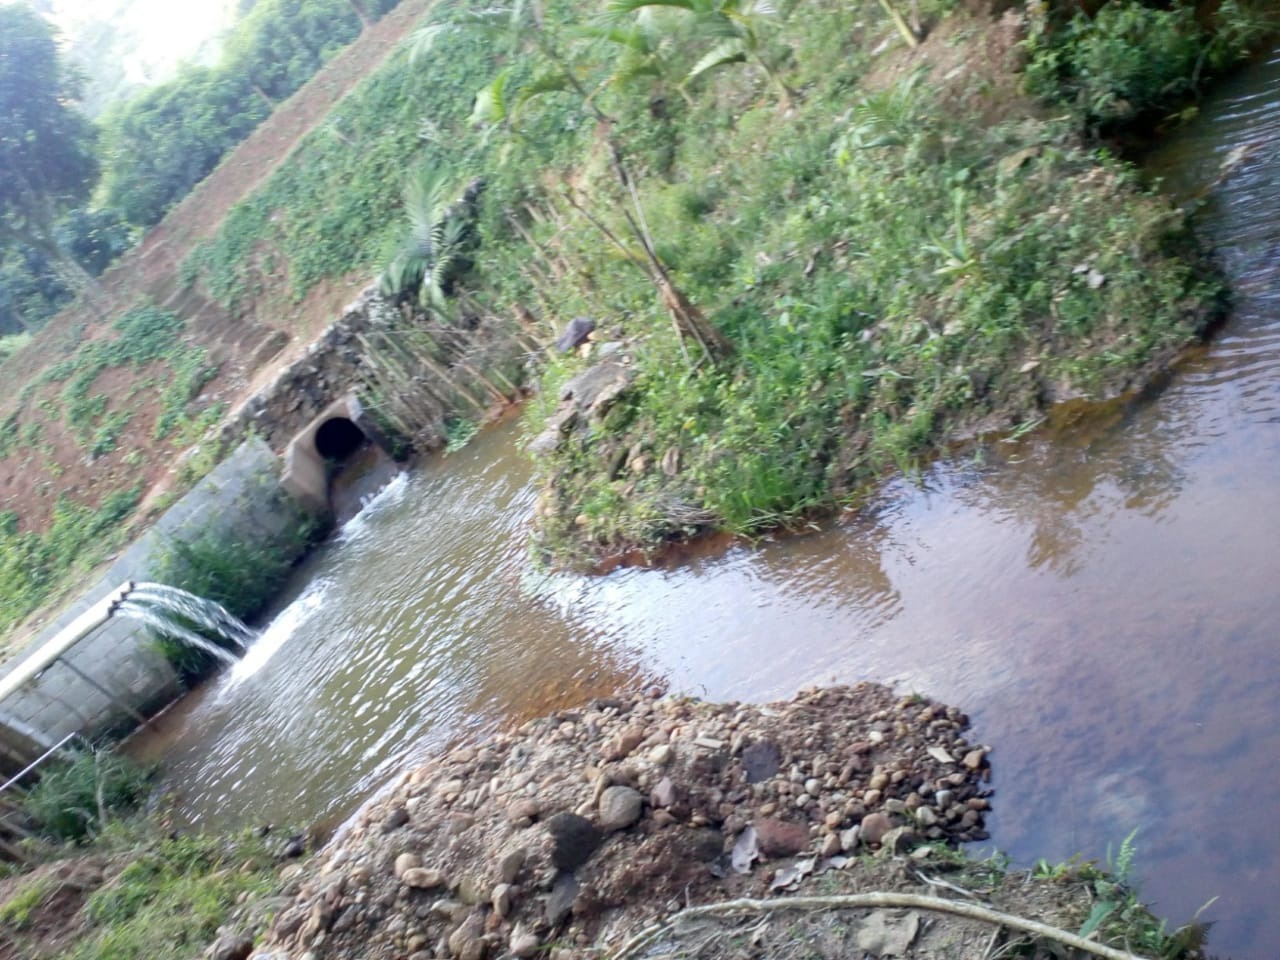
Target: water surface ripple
(1102,600)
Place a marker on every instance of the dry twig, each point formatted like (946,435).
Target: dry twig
(863,901)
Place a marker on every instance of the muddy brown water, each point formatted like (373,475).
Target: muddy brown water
(1101,597)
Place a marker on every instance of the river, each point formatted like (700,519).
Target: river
(1100,596)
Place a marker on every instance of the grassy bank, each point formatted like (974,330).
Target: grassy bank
(901,251)
(890,246)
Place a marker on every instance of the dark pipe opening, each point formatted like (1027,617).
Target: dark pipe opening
(338,439)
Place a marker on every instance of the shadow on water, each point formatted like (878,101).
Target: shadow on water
(1101,599)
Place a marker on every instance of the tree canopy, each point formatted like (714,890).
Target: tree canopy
(46,146)
(163,142)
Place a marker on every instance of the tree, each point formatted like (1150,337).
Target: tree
(46,146)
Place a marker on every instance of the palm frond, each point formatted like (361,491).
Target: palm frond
(729,50)
(544,81)
(423,41)
(619,10)
(491,102)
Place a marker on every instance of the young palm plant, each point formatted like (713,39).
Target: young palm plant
(739,30)
(431,252)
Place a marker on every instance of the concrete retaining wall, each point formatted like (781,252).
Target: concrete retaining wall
(242,498)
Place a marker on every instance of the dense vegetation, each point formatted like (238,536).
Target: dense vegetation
(886,266)
(150,150)
(76,799)
(240,574)
(160,144)
(875,259)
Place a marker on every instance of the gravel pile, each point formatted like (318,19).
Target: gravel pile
(583,826)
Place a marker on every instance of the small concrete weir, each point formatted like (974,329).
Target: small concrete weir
(167,611)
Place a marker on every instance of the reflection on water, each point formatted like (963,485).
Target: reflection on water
(1101,599)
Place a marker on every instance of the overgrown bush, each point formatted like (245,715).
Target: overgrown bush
(1133,58)
(72,801)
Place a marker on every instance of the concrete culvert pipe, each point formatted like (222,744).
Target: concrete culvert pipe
(338,439)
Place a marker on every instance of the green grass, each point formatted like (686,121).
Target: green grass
(890,274)
(241,574)
(15,913)
(144,336)
(335,207)
(171,899)
(889,271)
(1133,59)
(69,800)
(11,344)
(34,565)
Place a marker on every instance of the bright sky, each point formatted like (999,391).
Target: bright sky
(141,41)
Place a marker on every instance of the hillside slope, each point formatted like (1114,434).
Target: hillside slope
(90,428)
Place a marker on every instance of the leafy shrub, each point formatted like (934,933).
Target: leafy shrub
(243,576)
(1133,58)
(69,802)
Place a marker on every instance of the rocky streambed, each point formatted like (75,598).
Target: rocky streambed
(581,827)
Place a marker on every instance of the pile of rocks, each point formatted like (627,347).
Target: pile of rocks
(582,826)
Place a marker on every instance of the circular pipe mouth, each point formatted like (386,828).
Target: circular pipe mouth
(337,439)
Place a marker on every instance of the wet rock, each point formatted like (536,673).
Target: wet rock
(899,840)
(620,807)
(624,744)
(873,828)
(760,761)
(396,818)
(471,891)
(523,944)
(575,334)
(573,840)
(560,901)
(422,878)
(974,759)
(288,923)
(455,911)
(831,845)
(523,812)
(501,900)
(780,838)
(232,947)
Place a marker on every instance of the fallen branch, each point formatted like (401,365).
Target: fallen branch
(908,901)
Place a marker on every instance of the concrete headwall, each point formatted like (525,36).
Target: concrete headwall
(241,498)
